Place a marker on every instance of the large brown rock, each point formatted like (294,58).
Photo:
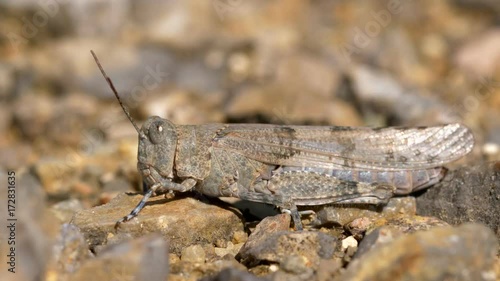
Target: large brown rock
(183,222)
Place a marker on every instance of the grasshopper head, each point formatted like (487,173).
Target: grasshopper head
(157,145)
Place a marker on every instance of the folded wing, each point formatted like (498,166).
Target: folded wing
(393,148)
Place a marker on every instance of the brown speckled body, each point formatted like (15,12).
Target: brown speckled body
(296,165)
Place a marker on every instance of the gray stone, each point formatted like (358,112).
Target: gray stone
(468,194)
(279,246)
(65,210)
(467,252)
(16,157)
(384,230)
(195,271)
(69,252)
(380,90)
(145,258)
(476,57)
(295,264)
(32,231)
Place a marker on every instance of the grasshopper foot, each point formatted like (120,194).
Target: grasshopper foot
(284,203)
(137,209)
(294,213)
(124,219)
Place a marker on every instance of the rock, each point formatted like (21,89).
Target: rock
(5,115)
(145,258)
(491,150)
(31,232)
(82,172)
(380,91)
(179,25)
(279,105)
(184,221)
(240,237)
(73,116)
(113,188)
(359,226)
(195,271)
(466,252)
(479,5)
(302,92)
(184,108)
(377,237)
(328,269)
(69,252)
(468,194)
(230,249)
(280,246)
(193,253)
(385,229)
(210,254)
(56,175)
(481,56)
(308,74)
(122,132)
(32,248)
(83,190)
(32,115)
(268,226)
(349,242)
(18,156)
(239,65)
(7,81)
(338,214)
(65,210)
(94,18)
(117,185)
(409,224)
(295,264)
(233,274)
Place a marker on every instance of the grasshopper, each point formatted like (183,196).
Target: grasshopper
(290,166)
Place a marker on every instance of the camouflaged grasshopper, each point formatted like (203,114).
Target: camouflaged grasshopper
(292,165)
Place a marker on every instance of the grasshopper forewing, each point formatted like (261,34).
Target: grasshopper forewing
(361,148)
(293,165)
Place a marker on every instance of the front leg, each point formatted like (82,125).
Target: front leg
(161,187)
(184,186)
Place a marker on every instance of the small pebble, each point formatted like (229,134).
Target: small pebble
(194,254)
(349,242)
(295,264)
(173,258)
(240,237)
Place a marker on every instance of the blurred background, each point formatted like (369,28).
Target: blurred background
(355,63)
(285,62)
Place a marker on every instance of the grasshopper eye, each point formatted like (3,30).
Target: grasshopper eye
(157,132)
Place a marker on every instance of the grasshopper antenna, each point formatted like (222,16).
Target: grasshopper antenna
(110,83)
